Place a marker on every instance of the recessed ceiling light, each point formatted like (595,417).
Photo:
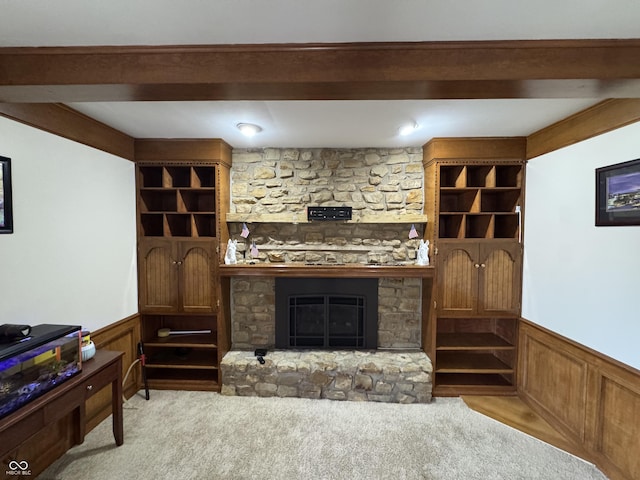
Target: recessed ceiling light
(408,129)
(249,129)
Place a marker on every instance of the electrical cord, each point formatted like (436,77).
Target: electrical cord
(124,381)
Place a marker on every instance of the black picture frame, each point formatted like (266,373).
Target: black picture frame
(618,194)
(6,204)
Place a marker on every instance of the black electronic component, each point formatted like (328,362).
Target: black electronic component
(329,213)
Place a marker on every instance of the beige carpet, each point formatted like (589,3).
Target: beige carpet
(201,435)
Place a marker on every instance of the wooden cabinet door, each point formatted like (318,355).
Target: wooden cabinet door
(499,278)
(196,269)
(158,272)
(457,278)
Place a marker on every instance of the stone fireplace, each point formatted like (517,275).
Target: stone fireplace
(398,319)
(345,345)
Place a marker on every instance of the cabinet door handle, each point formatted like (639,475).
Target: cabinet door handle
(476,265)
(89,387)
(482,265)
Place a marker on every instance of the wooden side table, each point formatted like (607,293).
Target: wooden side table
(103,369)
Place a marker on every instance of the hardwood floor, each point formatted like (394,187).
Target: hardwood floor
(512,411)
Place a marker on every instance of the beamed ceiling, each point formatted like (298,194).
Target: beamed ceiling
(346,93)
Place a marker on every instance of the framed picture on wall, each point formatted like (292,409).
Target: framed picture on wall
(618,194)
(6,207)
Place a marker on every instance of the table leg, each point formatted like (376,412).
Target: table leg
(116,393)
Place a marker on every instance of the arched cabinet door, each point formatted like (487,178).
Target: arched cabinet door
(158,271)
(196,276)
(177,276)
(457,279)
(499,278)
(479,278)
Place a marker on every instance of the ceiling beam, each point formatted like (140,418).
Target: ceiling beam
(357,71)
(601,118)
(71,124)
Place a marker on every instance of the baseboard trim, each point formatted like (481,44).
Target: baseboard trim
(585,394)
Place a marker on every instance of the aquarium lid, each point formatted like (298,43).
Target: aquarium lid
(39,335)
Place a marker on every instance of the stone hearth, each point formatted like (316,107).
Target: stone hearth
(376,376)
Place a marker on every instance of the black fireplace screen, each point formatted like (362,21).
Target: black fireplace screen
(326,313)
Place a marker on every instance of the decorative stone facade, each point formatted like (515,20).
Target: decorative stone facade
(393,377)
(253,306)
(371,181)
(276,180)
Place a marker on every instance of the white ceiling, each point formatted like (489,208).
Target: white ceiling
(318,123)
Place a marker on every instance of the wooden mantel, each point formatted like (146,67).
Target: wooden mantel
(302,270)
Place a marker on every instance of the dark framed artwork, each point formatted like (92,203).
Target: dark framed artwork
(6,206)
(618,194)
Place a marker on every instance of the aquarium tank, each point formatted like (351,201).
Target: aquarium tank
(37,362)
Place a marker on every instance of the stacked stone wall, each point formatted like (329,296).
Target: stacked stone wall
(287,181)
(274,180)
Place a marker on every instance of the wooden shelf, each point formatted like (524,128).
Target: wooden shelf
(471,341)
(167,379)
(330,271)
(186,341)
(465,362)
(197,359)
(473,380)
(294,218)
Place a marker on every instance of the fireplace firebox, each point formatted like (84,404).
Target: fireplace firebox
(326,313)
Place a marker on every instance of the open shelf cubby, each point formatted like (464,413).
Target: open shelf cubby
(506,226)
(479,201)
(479,226)
(451,226)
(453,176)
(152,224)
(509,176)
(203,177)
(158,200)
(494,200)
(459,200)
(151,177)
(197,200)
(481,176)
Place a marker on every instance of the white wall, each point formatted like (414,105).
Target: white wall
(72,257)
(582,281)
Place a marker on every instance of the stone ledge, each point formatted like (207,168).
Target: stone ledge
(377,376)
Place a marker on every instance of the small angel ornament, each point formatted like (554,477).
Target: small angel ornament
(423,253)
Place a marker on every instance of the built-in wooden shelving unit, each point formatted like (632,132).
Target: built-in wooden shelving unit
(475,230)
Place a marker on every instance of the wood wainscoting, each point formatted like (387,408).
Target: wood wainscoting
(53,441)
(122,336)
(588,396)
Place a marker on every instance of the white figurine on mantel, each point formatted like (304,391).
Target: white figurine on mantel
(423,253)
(230,254)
